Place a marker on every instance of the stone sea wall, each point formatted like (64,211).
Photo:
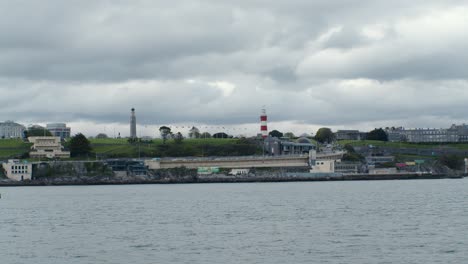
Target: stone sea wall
(86,174)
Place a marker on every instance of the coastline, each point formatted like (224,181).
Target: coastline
(65,181)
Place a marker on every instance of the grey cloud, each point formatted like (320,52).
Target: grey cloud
(93,60)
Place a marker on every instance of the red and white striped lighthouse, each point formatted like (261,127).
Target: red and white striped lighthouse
(263,124)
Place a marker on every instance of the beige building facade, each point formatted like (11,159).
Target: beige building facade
(18,170)
(47,147)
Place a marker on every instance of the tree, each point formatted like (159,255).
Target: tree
(220,135)
(377,134)
(178,138)
(324,135)
(79,145)
(101,135)
(289,135)
(452,161)
(205,135)
(276,134)
(351,154)
(37,132)
(165,133)
(194,133)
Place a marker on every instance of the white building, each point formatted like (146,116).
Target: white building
(59,130)
(17,170)
(323,166)
(318,165)
(10,129)
(47,147)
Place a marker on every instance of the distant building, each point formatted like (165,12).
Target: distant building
(133,132)
(377,160)
(275,146)
(59,130)
(347,167)
(431,135)
(47,147)
(18,170)
(462,131)
(350,135)
(382,171)
(323,166)
(395,134)
(10,129)
(456,133)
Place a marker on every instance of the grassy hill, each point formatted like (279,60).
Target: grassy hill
(114,148)
(13,148)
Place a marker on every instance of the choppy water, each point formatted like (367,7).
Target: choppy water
(316,222)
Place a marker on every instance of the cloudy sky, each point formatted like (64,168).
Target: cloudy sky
(311,63)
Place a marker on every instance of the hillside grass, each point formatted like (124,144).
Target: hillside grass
(10,148)
(156,148)
(112,147)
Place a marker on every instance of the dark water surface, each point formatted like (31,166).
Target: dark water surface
(423,221)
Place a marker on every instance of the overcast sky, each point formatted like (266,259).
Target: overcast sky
(214,64)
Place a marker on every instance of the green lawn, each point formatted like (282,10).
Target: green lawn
(13,147)
(13,143)
(111,147)
(109,141)
(188,147)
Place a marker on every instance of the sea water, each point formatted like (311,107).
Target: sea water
(419,221)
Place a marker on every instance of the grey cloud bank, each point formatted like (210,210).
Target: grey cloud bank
(355,64)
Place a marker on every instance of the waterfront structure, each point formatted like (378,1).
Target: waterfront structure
(133,132)
(466,165)
(323,166)
(347,167)
(18,170)
(10,129)
(378,160)
(263,124)
(236,172)
(47,147)
(275,146)
(59,130)
(350,135)
(374,171)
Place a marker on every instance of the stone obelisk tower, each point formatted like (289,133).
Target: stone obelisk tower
(133,133)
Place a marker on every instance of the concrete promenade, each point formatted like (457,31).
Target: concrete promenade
(240,162)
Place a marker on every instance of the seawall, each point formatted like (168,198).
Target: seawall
(220,178)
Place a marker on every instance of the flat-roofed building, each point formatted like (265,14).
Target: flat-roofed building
(431,135)
(395,134)
(377,160)
(10,129)
(347,167)
(47,147)
(350,135)
(18,170)
(275,146)
(59,130)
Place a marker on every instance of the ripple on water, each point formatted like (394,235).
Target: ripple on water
(339,222)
